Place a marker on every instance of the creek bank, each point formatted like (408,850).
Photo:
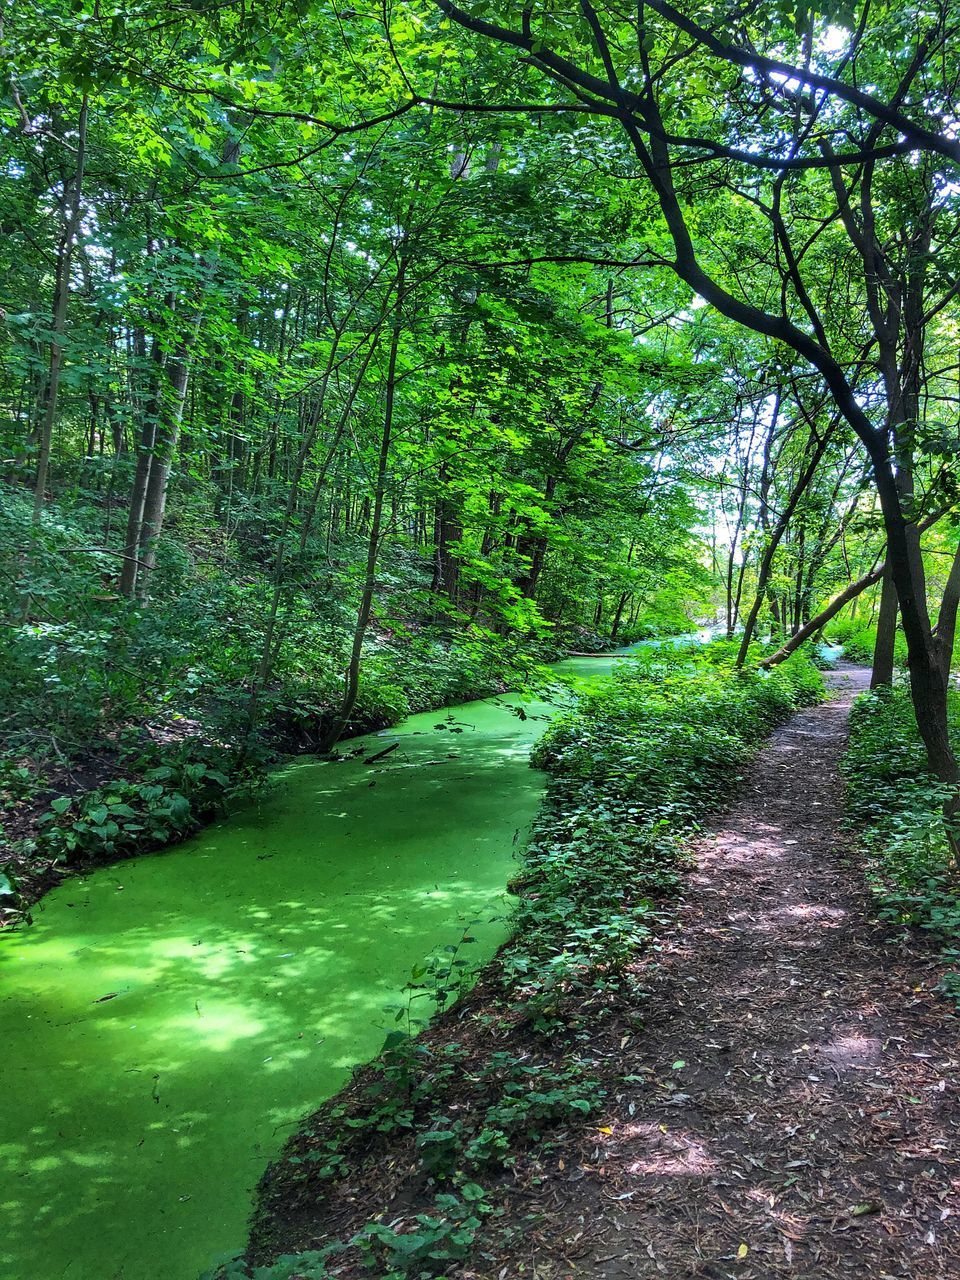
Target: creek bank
(435,1154)
(169,1020)
(203,783)
(53,824)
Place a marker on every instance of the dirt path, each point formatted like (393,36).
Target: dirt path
(794,1105)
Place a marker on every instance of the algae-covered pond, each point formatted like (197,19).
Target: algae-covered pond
(167,1020)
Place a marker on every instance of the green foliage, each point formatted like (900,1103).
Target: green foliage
(859,642)
(675,609)
(312,1265)
(173,792)
(434,1242)
(18,783)
(899,807)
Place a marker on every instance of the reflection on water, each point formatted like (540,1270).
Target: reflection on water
(167,1020)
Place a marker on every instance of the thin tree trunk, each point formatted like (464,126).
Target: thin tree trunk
(141,475)
(766,562)
(882,673)
(61,297)
(172,403)
(822,618)
(352,677)
(946,628)
(849,593)
(618,615)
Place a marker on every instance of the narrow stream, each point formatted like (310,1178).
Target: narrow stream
(167,1021)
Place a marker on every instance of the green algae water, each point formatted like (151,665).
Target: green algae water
(167,1021)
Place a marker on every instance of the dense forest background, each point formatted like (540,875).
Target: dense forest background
(358,361)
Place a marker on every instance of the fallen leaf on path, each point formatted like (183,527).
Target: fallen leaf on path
(868,1206)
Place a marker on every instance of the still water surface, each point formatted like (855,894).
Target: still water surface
(166,1021)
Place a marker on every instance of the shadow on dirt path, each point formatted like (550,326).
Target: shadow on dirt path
(793,1109)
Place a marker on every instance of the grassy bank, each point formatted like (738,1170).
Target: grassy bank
(432,1153)
(898,807)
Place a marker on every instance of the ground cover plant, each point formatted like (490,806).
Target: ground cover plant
(898,809)
(859,641)
(444,1125)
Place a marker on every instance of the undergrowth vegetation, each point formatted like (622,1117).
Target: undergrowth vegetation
(126,725)
(899,807)
(476,1103)
(859,640)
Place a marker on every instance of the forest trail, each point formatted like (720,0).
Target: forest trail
(814,1128)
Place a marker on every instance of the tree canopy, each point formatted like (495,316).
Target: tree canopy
(488,325)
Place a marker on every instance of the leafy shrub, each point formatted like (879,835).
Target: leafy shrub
(858,642)
(174,790)
(435,1241)
(899,807)
(841,628)
(301,1266)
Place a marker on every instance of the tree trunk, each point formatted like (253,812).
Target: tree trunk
(172,403)
(882,673)
(352,677)
(947,620)
(447,529)
(766,563)
(141,477)
(928,685)
(61,297)
(618,616)
(848,594)
(818,622)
